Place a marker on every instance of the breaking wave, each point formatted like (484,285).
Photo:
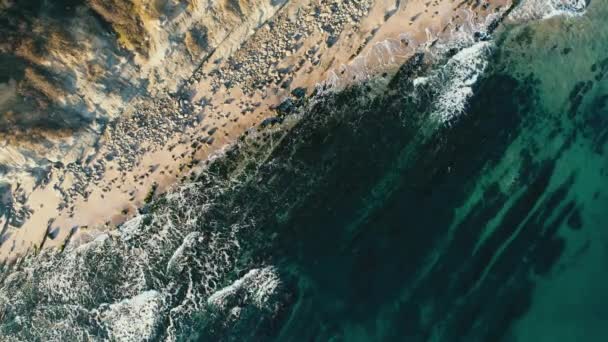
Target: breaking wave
(146,280)
(544,9)
(455,81)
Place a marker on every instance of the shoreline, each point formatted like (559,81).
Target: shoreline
(69,206)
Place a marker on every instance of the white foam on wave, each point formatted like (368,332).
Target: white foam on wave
(258,285)
(454,81)
(544,9)
(457,78)
(134,319)
(126,280)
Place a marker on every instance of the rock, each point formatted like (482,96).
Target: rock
(331,41)
(270,121)
(52,234)
(299,92)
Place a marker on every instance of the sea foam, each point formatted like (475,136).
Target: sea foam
(544,9)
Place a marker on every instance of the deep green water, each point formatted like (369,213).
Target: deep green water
(491,229)
(375,221)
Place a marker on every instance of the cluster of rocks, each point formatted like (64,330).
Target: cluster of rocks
(152,124)
(255,65)
(14,208)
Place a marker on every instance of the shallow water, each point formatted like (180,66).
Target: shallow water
(375,218)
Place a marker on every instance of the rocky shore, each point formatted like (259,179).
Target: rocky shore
(66,184)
